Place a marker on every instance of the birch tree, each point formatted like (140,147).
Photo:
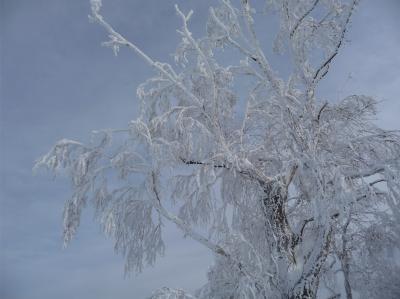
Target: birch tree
(280,185)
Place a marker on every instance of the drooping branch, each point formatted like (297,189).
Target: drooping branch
(185,227)
(187,230)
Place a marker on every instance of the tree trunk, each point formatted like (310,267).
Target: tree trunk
(347,285)
(344,260)
(307,286)
(285,241)
(274,204)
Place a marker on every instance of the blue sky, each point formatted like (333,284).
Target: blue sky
(57,81)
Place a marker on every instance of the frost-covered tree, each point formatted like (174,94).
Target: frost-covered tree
(295,196)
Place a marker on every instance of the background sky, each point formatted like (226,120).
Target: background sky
(57,81)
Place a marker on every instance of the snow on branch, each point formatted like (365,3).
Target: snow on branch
(284,188)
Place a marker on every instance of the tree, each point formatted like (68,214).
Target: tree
(280,185)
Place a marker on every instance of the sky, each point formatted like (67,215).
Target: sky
(58,82)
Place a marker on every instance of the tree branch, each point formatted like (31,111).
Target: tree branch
(182,225)
(324,68)
(259,177)
(321,110)
(365,173)
(259,57)
(117,39)
(185,227)
(298,23)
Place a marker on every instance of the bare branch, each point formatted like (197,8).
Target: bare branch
(300,20)
(324,68)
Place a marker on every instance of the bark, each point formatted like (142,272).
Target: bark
(274,205)
(347,285)
(285,240)
(344,260)
(307,286)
